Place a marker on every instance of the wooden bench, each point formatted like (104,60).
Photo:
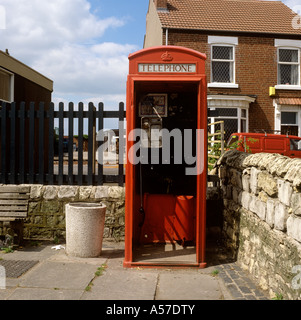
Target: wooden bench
(14,209)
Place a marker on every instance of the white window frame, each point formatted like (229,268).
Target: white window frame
(223,41)
(231,102)
(279,108)
(12,85)
(292,45)
(290,110)
(223,84)
(288,86)
(238,118)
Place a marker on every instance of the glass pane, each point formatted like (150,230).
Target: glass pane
(227,112)
(295,144)
(222,53)
(231,126)
(288,117)
(288,74)
(243,124)
(286,55)
(243,113)
(290,130)
(221,72)
(232,140)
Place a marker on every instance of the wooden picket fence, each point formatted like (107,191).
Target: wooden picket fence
(28,144)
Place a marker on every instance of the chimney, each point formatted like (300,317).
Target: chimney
(161,4)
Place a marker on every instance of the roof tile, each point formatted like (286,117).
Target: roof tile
(255,16)
(289,101)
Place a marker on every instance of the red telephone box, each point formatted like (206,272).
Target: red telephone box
(166,170)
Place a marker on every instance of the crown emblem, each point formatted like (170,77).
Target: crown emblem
(166,56)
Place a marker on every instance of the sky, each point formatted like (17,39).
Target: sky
(82,45)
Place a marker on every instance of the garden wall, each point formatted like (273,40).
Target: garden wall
(262,218)
(46,212)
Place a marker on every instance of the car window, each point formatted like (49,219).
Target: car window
(232,140)
(295,144)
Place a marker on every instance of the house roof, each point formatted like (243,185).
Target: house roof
(255,16)
(15,66)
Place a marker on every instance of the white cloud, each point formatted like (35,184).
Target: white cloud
(85,70)
(61,39)
(295,5)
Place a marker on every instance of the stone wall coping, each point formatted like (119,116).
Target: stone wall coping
(278,165)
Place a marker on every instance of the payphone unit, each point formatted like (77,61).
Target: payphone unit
(166,158)
(152,108)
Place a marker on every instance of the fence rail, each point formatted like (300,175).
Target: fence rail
(29,150)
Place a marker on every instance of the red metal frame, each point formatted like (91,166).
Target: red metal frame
(161,55)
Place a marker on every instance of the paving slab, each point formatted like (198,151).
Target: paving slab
(62,257)
(123,285)
(57,276)
(4,294)
(44,294)
(188,286)
(60,275)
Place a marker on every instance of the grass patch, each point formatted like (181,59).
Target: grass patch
(98,273)
(7,250)
(100,270)
(278,296)
(89,287)
(215,273)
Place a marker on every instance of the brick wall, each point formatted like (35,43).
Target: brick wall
(256,71)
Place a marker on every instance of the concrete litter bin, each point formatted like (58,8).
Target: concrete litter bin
(84,229)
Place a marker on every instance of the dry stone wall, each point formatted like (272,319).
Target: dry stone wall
(46,212)
(262,218)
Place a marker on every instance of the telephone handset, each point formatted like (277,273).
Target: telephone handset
(152,108)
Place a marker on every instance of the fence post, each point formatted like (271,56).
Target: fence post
(41,116)
(70,144)
(121,144)
(12,176)
(91,143)
(61,143)
(51,143)
(22,143)
(100,154)
(3,142)
(80,142)
(31,143)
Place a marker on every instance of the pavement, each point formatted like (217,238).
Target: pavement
(45,272)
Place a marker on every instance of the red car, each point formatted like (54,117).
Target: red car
(270,143)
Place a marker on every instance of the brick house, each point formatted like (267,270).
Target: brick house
(253,58)
(20,83)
